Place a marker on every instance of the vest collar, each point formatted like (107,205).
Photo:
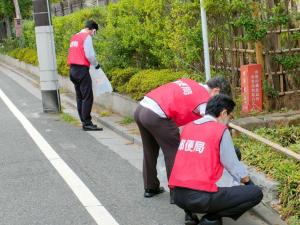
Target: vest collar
(205,118)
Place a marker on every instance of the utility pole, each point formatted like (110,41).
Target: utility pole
(205,42)
(46,56)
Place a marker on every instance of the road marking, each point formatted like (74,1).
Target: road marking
(85,196)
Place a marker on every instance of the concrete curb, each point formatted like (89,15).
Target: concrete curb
(268,214)
(263,211)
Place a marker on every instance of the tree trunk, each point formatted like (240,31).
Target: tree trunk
(17,9)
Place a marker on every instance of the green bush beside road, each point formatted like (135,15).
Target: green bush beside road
(276,165)
(26,55)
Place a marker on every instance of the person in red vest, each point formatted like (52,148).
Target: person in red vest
(81,57)
(159,115)
(205,157)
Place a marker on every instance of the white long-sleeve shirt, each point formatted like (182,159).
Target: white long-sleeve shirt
(234,170)
(89,50)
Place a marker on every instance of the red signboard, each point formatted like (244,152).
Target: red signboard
(251,87)
(18,26)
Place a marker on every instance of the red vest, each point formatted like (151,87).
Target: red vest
(76,52)
(197,164)
(179,99)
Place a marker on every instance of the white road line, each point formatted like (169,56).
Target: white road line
(85,196)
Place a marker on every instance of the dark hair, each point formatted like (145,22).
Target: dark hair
(218,103)
(91,24)
(220,82)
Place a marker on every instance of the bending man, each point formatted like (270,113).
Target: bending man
(159,115)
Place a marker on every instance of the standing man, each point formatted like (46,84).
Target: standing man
(81,57)
(159,115)
(205,157)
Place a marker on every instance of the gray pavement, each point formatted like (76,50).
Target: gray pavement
(32,192)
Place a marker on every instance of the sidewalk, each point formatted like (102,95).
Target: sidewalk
(130,132)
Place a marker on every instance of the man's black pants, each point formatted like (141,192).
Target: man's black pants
(82,81)
(227,202)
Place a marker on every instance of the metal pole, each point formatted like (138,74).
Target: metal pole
(46,56)
(205,42)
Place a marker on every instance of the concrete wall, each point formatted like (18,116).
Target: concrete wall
(290,100)
(111,101)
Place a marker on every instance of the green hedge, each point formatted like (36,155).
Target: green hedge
(276,165)
(155,34)
(146,80)
(120,78)
(25,54)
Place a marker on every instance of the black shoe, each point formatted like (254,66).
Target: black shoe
(91,127)
(151,192)
(191,219)
(205,221)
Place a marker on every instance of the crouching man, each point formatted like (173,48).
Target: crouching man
(198,177)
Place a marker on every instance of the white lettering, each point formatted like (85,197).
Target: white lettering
(182,143)
(191,146)
(74,44)
(187,90)
(199,146)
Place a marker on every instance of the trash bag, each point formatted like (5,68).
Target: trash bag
(100,82)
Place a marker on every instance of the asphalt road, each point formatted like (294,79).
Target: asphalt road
(53,173)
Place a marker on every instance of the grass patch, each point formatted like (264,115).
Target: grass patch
(276,165)
(105,113)
(127,120)
(69,119)
(294,220)
(295,148)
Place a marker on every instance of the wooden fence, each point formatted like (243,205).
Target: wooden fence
(68,6)
(229,56)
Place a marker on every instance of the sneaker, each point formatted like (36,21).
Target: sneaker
(91,127)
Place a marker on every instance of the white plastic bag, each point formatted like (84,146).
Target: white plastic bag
(100,82)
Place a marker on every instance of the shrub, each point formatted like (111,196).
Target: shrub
(29,34)
(155,34)
(25,54)
(285,136)
(278,166)
(9,44)
(120,77)
(146,80)
(62,67)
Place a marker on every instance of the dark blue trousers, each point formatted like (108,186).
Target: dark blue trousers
(82,81)
(226,202)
